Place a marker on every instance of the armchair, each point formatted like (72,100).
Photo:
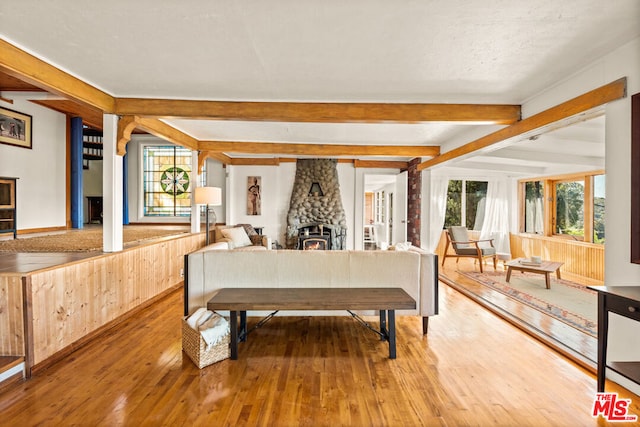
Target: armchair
(463,246)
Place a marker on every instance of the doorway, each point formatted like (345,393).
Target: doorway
(384,213)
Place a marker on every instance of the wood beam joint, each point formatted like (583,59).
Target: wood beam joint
(126,125)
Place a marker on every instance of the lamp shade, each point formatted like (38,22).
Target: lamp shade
(208,196)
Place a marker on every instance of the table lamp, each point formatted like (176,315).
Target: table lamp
(209,196)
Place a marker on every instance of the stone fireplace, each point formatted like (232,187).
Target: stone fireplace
(316,205)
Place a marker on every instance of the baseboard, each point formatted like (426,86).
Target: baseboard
(42,230)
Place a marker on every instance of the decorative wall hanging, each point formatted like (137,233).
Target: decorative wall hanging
(254,198)
(15,128)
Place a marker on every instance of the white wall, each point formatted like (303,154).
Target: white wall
(42,187)
(273,195)
(625,61)
(277,184)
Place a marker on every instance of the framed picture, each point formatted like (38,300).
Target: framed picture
(15,128)
(254,199)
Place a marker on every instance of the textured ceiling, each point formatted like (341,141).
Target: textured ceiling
(447,51)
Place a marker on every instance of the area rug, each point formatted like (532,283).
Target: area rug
(82,240)
(566,301)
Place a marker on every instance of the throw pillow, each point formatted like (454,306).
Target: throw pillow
(237,235)
(256,239)
(249,229)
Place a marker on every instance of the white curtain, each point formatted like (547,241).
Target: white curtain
(496,217)
(439,185)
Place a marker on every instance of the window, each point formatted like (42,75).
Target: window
(465,203)
(569,212)
(576,206)
(167,185)
(599,197)
(534,207)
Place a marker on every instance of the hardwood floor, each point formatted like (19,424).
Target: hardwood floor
(572,343)
(472,368)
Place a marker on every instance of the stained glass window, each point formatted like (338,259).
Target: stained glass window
(167,181)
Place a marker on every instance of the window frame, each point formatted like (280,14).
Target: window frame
(549,208)
(200,178)
(463,200)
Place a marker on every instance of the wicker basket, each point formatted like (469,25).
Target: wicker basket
(196,348)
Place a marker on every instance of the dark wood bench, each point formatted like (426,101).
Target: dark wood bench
(239,300)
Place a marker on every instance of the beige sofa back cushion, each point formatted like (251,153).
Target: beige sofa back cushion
(413,271)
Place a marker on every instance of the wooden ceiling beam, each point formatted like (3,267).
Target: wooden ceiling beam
(247,161)
(592,99)
(380,164)
(204,155)
(319,149)
(91,116)
(26,67)
(319,112)
(166,132)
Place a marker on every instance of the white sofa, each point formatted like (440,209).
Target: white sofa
(416,271)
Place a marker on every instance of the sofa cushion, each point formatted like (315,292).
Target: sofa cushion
(238,236)
(249,229)
(216,246)
(251,248)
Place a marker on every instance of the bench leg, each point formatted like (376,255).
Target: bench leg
(508,274)
(242,334)
(392,334)
(383,325)
(233,327)
(425,324)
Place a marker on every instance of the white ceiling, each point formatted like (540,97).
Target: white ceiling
(428,51)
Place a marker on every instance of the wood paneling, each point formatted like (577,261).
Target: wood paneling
(582,259)
(11,323)
(72,301)
(10,84)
